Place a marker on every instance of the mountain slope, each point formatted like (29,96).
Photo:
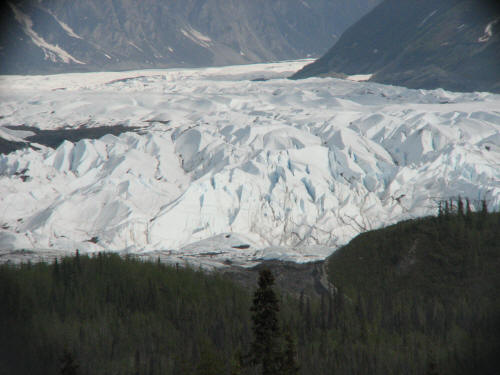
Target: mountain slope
(430,288)
(453,44)
(59,35)
(409,298)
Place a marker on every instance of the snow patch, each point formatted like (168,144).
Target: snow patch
(488,32)
(135,46)
(427,18)
(65,27)
(197,37)
(360,77)
(304,3)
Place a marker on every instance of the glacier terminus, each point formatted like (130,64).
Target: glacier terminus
(233,165)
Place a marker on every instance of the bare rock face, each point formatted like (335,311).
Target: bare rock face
(50,36)
(452,44)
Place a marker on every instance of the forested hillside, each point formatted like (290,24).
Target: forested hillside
(425,293)
(419,297)
(118,316)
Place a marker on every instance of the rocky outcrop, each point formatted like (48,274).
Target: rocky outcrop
(453,44)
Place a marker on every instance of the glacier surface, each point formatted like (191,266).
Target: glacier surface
(235,164)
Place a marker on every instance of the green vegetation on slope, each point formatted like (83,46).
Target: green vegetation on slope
(118,316)
(419,297)
(427,291)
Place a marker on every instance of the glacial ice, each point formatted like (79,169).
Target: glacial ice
(227,169)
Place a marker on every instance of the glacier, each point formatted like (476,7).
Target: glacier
(233,165)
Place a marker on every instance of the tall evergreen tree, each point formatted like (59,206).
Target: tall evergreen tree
(290,365)
(468,211)
(446,209)
(265,349)
(460,206)
(484,207)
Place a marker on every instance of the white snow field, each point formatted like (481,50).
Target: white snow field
(234,164)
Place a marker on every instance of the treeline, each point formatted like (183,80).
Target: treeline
(424,295)
(419,297)
(119,316)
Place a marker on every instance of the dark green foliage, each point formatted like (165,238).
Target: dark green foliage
(266,344)
(290,365)
(273,348)
(119,316)
(210,362)
(460,208)
(431,366)
(418,297)
(426,284)
(68,364)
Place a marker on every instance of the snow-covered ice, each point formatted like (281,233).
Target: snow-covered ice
(360,77)
(234,164)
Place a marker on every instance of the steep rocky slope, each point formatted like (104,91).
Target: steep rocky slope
(61,35)
(453,44)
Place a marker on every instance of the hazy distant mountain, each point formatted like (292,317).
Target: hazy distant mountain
(63,35)
(454,44)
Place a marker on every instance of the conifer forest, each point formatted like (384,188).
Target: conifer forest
(418,297)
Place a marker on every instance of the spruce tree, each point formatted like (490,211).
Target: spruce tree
(446,209)
(265,349)
(468,211)
(290,365)
(484,207)
(460,206)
